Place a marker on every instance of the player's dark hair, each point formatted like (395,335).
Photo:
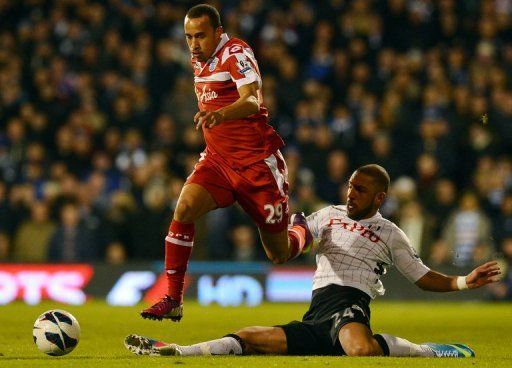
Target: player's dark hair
(204,9)
(377,173)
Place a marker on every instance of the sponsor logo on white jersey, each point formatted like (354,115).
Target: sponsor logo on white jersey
(355,227)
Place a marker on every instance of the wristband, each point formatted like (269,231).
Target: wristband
(461,283)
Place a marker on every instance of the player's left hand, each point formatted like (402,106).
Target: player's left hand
(482,275)
(208,118)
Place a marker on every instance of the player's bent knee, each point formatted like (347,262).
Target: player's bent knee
(277,256)
(263,340)
(278,259)
(184,211)
(248,336)
(361,350)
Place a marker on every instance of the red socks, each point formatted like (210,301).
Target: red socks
(178,248)
(297,238)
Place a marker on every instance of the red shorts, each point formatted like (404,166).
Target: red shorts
(261,188)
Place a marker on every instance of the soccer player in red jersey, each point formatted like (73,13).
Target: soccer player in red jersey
(241,162)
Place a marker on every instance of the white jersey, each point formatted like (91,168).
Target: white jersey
(356,253)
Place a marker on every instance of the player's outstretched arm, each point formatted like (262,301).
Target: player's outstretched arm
(480,276)
(247,104)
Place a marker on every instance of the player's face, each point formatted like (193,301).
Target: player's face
(202,38)
(363,197)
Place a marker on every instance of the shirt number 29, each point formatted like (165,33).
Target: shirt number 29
(275,213)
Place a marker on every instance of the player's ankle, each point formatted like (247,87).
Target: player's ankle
(175,297)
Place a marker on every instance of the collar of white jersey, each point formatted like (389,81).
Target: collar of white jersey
(224,38)
(374,217)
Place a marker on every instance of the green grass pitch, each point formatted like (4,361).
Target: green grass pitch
(487,328)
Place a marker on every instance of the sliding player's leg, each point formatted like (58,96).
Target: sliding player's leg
(397,346)
(263,340)
(205,190)
(248,341)
(299,338)
(358,340)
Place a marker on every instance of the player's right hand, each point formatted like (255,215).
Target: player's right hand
(483,275)
(197,119)
(208,118)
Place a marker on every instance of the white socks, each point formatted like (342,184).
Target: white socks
(228,345)
(399,347)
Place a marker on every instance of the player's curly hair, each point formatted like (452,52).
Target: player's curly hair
(377,173)
(204,9)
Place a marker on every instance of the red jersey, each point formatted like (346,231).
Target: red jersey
(239,142)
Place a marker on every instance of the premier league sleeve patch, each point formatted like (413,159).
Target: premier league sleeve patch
(243,66)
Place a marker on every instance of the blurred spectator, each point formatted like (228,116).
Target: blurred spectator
(73,241)
(149,224)
(245,243)
(32,238)
(418,226)
(427,168)
(5,216)
(328,186)
(4,246)
(381,152)
(218,225)
(402,191)
(467,234)
(442,203)
(119,217)
(115,253)
(181,103)
(503,221)
(503,289)
(306,199)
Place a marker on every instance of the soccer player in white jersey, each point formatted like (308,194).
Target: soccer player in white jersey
(355,247)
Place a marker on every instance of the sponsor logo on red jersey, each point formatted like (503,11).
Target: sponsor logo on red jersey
(206,95)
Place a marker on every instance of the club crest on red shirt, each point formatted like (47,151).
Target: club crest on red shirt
(213,64)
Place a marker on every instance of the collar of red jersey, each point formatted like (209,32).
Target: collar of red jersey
(224,38)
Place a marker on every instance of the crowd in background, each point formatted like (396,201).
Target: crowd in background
(97,100)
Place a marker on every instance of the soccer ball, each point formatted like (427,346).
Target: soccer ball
(56,332)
